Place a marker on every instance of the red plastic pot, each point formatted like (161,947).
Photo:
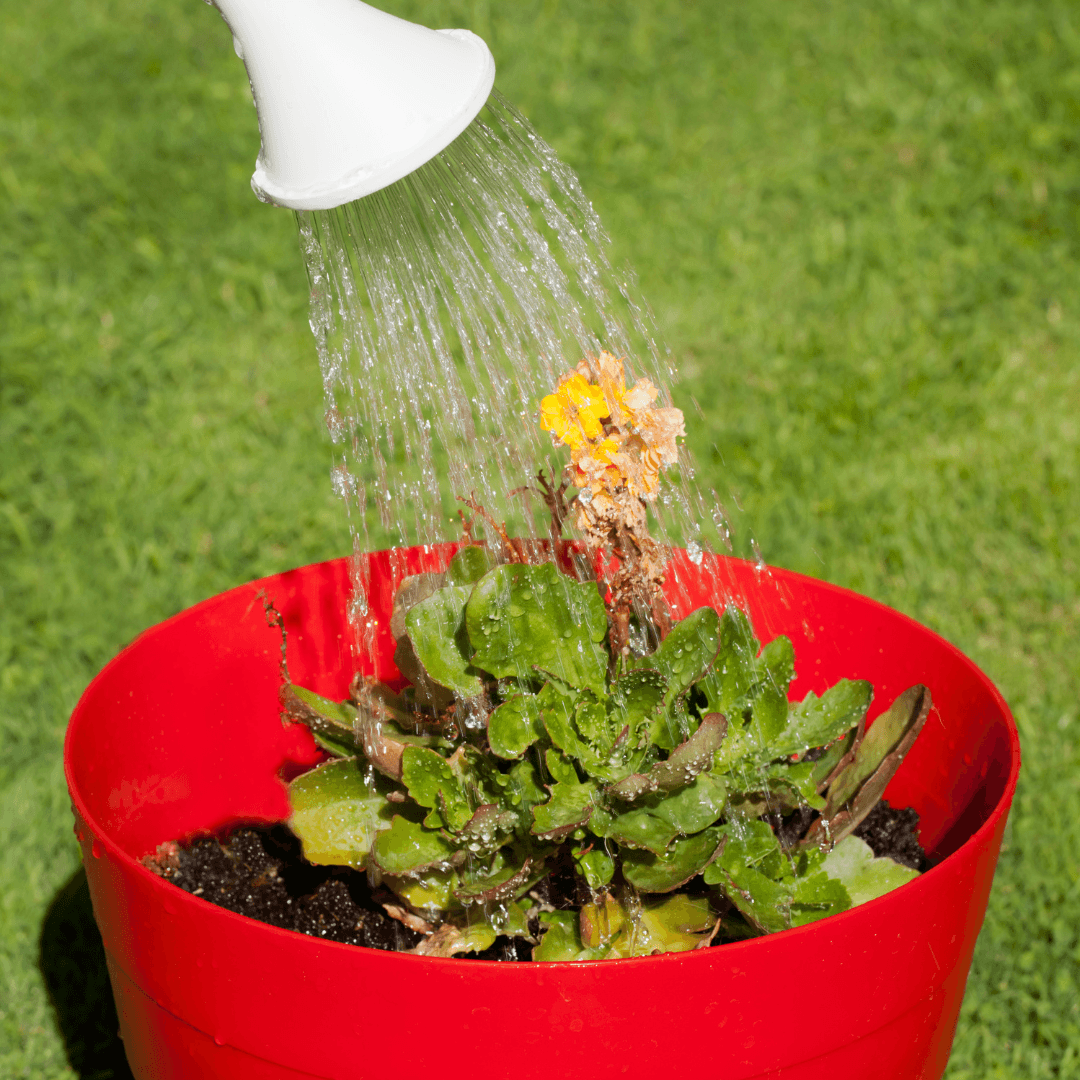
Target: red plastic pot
(180,734)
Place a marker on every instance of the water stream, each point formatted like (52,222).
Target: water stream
(444,308)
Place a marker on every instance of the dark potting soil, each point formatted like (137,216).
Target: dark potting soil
(260,872)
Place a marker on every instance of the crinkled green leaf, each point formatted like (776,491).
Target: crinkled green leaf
(671,726)
(512,919)
(497,887)
(561,729)
(747,843)
(816,897)
(684,763)
(490,827)
(407,847)
(470,564)
(818,721)
(686,652)
(799,779)
(523,619)
(433,784)
(763,902)
(331,722)
(336,813)
(410,592)
(635,702)
(865,877)
(769,708)
(568,808)
(685,859)
(436,628)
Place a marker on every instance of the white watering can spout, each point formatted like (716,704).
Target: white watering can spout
(349,98)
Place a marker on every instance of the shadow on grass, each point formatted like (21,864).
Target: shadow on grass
(72,963)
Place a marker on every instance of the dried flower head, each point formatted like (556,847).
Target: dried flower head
(619,443)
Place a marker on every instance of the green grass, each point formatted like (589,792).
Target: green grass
(859,225)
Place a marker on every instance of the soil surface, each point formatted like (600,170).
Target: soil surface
(260,872)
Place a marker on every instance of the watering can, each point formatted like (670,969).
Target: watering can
(349,98)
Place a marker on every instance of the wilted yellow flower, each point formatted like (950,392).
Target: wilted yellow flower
(573,414)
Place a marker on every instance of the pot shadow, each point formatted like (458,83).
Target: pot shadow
(71,959)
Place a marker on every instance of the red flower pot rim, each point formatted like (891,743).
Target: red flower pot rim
(100,839)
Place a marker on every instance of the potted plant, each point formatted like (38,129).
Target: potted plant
(637,735)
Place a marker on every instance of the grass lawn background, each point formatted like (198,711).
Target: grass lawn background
(858,223)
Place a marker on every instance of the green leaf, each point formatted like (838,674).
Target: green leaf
(883,736)
(852,863)
(452,938)
(601,921)
(686,652)
(859,786)
(685,859)
(799,778)
(339,713)
(523,619)
(338,747)
(636,829)
(562,939)
(832,757)
(430,892)
(524,789)
(336,813)
(561,770)
(330,722)
(514,726)
(692,808)
(769,710)
(818,721)
(470,564)
(735,669)
(432,783)
(678,923)
(437,631)
(407,847)
(412,591)
(595,864)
